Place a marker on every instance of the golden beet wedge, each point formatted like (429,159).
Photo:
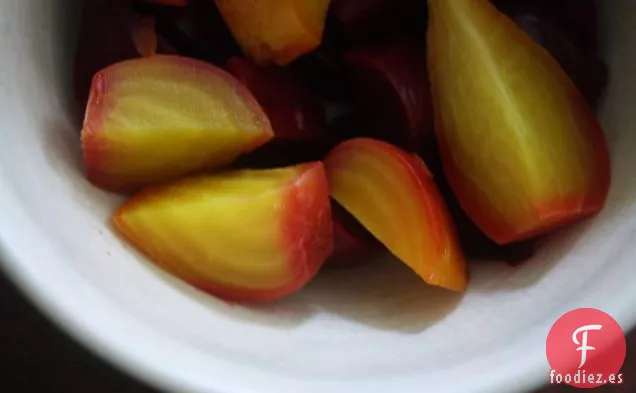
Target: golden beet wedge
(251,235)
(158,118)
(275,30)
(393,195)
(521,149)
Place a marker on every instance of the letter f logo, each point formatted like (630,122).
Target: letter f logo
(583,344)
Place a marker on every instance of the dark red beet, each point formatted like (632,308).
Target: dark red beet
(578,18)
(477,246)
(582,19)
(369,20)
(568,31)
(520,7)
(586,69)
(297,116)
(347,125)
(106,37)
(323,69)
(280,153)
(197,30)
(324,72)
(142,7)
(292,108)
(392,90)
(353,244)
(173,3)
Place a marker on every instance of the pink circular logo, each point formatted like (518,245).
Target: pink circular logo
(586,348)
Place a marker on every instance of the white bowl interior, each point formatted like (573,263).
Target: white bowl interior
(375,329)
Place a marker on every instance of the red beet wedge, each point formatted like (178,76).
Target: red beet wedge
(391,86)
(297,116)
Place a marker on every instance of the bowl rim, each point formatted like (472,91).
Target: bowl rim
(71,316)
(105,335)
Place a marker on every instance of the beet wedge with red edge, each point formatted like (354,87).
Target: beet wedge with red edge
(522,150)
(159,118)
(393,195)
(252,235)
(391,87)
(276,31)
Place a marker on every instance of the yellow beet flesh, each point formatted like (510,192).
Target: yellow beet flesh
(521,149)
(158,118)
(275,30)
(242,235)
(394,197)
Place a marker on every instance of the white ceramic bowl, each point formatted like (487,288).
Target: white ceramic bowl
(374,330)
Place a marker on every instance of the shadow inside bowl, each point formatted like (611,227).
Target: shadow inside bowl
(497,276)
(67,13)
(383,294)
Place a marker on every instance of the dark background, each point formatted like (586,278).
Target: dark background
(36,357)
